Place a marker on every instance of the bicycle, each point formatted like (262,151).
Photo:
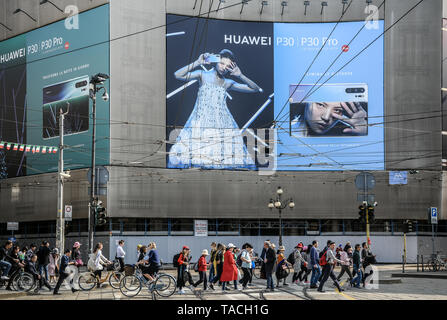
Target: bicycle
(22,281)
(163,284)
(436,263)
(88,280)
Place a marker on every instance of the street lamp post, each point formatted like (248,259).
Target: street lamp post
(280,205)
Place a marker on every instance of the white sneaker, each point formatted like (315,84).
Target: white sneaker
(5,278)
(181,292)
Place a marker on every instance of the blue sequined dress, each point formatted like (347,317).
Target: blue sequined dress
(211,138)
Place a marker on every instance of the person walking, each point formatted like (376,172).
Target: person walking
(53,267)
(345,264)
(5,259)
(269,262)
(183,262)
(262,257)
(357,267)
(281,266)
(229,271)
(211,262)
(65,261)
(76,254)
(298,263)
(367,259)
(305,267)
(247,249)
(314,262)
(43,258)
(120,254)
(328,267)
(202,268)
(219,260)
(347,246)
(31,268)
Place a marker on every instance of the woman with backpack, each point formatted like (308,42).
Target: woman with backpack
(182,269)
(201,269)
(229,270)
(296,259)
(281,266)
(219,260)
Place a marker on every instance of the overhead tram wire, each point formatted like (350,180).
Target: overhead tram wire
(330,66)
(316,56)
(122,37)
(366,47)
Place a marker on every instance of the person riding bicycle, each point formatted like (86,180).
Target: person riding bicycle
(16,265)
(31,267)
(150,263)
(5,258)
(97,261)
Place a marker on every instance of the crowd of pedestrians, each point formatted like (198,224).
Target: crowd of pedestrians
(230,266)
(226,266)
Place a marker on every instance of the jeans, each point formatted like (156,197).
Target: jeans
(246,277)
(211,275)
(359,276)
(342,272)
(202,275)
(6,266)
(328,271)
(61,279)
(44,267)
(315,275)
(269,277)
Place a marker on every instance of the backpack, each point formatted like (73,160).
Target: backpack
(239,261)
(175,260)
(291,258)
(322,252)
(323,260)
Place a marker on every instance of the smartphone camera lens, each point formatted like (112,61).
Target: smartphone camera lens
(81,84)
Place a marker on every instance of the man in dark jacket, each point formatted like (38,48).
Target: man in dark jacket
(43,258)
(212,257)
(13,259)
(5,265)
(269,261)
(314,262)
(31,268)
(65,261)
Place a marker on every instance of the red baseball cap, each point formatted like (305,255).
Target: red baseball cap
(300,245)
(185,247)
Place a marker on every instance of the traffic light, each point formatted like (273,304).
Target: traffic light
(408,226)
(370,214)
(362,213)
(100,214)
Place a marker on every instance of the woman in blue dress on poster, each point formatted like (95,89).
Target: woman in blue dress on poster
(211,138)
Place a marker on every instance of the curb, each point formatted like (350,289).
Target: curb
(419,275)
(13,295)
(388,281)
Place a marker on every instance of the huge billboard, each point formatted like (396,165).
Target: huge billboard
(42,72)
(239,93)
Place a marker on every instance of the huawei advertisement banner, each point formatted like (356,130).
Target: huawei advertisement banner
(42,72)
(235,100)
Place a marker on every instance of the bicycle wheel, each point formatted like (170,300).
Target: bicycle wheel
(14,285)
(165,285)
(130,286)
(25,282)
(114,279)
(87,281)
